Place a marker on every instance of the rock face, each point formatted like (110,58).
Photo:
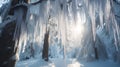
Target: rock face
(116,10)
(7,46)
(7,41)
(45,47)
(101,49)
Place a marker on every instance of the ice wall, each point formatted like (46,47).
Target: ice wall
(76,27)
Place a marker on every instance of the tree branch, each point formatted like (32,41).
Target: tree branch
(40,1)
(117,16)
(7,21)
(27,5)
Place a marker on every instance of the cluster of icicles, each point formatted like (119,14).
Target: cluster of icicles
(66,14)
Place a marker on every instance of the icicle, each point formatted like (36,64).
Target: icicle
(92,16)
(0,19)
(71,19)
(116,33)
(101,16)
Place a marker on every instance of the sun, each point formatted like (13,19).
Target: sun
(77,31)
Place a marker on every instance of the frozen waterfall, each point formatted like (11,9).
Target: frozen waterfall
(76,28)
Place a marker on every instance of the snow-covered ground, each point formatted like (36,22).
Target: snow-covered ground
(65,63)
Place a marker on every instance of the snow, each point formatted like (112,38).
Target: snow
(66,63)
(55,62)
(34,63)
(100,64)
(52,63)
(3,2)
